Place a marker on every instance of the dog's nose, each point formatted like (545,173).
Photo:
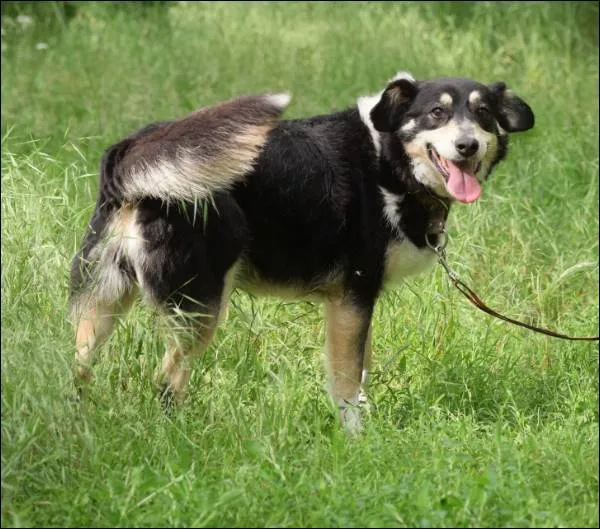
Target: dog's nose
(467,146)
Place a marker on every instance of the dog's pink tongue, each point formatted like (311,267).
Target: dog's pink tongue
(462,185)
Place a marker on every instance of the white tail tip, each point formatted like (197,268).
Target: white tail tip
(402,75)
(280,100)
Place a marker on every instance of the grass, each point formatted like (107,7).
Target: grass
(473,422)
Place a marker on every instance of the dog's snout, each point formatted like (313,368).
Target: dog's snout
(467,146)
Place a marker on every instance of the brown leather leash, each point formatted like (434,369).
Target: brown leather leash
(440,249)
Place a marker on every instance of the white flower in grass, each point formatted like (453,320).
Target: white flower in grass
(41,46)
(25,21)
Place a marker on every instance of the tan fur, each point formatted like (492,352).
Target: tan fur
(229,285)
(267,289)
(94,323)
(120,237)
(85,340)
(108,295)
(210,149)
(194,176)
(396,96)
(176,370)
(474,97)
(344,325)
(250,281)
(446,100)
(188,338)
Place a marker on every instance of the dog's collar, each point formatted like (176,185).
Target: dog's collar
(437,209)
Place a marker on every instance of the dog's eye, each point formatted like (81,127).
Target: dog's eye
(437,112)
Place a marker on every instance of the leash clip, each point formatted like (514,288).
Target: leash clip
(440,251)
(442,242)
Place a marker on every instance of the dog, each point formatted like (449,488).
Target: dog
(332,208)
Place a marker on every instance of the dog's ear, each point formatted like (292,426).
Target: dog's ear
(514,115)
(395,100)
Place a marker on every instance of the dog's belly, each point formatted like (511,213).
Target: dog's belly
(405,259)
(278,290)
(250,280)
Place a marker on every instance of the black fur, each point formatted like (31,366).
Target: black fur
(312,208)
(187,253)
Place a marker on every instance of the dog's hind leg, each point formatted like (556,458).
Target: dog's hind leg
(95,320)
(190,263)
(347,336)
(102,285)
(190,331)
(188,336)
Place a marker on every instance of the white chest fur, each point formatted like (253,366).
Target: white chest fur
(404,259)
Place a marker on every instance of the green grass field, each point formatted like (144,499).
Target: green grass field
(473,422)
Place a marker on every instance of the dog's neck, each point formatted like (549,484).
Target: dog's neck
(437,209)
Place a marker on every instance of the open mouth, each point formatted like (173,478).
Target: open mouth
(459,177)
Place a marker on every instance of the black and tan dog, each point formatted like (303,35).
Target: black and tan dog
(333,207)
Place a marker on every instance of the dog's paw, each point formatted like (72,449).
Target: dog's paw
(82,382)
(350,419)
(363,402)
(75,397)
(166,398)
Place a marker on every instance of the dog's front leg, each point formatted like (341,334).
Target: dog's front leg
(347,335)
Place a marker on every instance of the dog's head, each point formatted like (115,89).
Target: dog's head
(453,130)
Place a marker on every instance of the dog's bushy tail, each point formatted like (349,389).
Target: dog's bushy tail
(187,159)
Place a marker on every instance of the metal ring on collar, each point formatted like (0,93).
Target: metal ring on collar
(441,242)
